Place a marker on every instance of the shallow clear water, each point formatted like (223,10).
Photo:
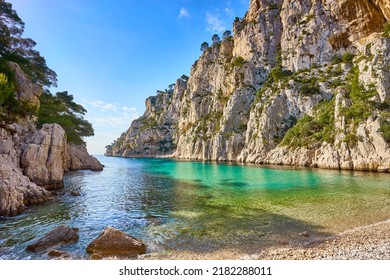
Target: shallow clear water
(196,206)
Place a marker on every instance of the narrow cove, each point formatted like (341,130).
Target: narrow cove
(202,206)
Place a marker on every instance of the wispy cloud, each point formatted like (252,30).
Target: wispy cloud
(103,106)
(228,11)
(114,115)
(184,13)
(215,23)
(111,121)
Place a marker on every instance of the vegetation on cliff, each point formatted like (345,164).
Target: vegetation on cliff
(59,108)
(283,89)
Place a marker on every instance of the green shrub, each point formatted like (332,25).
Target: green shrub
(242,127)
(386,32)
(310,88)
(238,62)
(9,105)
(337,71)
(385,130)
(336,83)
(309,130)
(61,109)
(347,57)
(336,59)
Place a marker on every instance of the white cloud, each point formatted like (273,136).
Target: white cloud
(229,11)
(104,107)
(214,23)
(111,121)
(114,115)
(184,13)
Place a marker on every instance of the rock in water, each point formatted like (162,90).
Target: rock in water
(304,234)
(58,254)
(58,236)
(79,159)
(75,193)
(113,242)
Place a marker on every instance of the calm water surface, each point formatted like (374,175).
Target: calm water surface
(179,205)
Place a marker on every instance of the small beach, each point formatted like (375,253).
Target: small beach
(371,242)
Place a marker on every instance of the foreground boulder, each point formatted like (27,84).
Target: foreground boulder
(58,236)
(113,242)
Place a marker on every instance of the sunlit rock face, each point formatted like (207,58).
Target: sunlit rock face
(33,161)
(287,62)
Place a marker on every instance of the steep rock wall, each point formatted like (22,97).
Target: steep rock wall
(316,69)
(34,161)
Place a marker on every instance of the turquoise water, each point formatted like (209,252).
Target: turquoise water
(202,207)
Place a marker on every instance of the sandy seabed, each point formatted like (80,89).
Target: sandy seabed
(370,242)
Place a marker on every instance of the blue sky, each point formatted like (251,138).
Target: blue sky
(112,55)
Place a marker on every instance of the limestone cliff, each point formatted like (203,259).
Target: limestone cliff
(301,82)
(32,161)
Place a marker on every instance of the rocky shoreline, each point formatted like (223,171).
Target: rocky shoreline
(371,242)
(33,161)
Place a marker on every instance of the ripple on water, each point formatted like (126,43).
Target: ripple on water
(202,206)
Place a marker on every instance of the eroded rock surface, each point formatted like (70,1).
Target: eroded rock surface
(79,159)
(62,234)
(288,62)
(33,161)
(113,242)
(16,190)
(44,159)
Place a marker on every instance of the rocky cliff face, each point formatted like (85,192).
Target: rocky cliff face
(300,83)
(32,161)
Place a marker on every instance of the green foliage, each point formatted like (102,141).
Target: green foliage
(351,139)
(3,79)
(61,109)
(360,108)
(208,123)
(336,83)
(309,130)
(347,57)
(222,98)
(273,7)
(336,59)
(242,127)
(277,73)
(227,135)
(386,30)
(9,105)
(259,95)
(308,18)
(337,71)
(310,88)
(13,47)
(385,130)
(204,46)
(149,123)
(238,62)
